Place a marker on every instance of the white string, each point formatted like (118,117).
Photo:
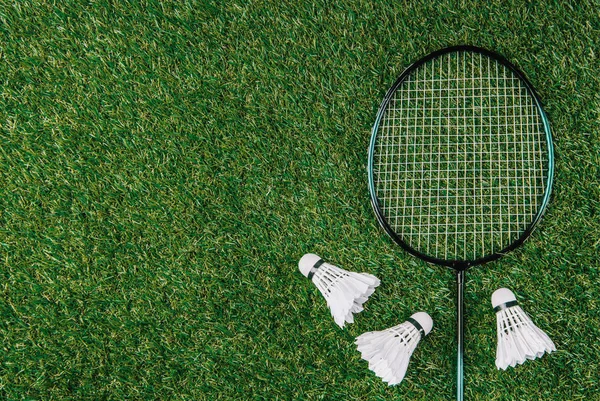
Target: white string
(422,167)
(439,163)
(398,138)
(412,209)
(457,220)
(475,146)
(460,157)
(499,164)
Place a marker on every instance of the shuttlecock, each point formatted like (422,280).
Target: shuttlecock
(518,338)
(388,352)
(345,291)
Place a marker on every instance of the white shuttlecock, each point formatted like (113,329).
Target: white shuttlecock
(388,352)
(345,291)
(518,338)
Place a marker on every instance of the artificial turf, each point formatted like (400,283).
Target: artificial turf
(164,165)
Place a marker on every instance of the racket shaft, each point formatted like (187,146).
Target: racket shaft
(460,288)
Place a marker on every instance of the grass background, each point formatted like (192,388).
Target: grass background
(164,165)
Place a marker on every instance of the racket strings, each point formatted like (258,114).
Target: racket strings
(459,159)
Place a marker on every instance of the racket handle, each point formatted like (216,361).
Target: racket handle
(460,334)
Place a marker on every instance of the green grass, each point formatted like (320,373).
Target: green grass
(164,165)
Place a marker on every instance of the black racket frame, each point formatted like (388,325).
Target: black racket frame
(460,264)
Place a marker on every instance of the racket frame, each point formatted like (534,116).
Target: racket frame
(460,265)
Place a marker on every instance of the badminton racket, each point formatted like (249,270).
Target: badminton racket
(460,163)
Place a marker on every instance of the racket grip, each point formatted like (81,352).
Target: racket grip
(460,332)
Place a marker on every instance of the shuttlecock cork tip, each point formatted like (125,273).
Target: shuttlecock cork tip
(424,320)
(307,262)
(502,296)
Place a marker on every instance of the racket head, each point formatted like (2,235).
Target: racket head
(426,115)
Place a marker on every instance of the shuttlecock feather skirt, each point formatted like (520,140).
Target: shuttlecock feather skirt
(519,339)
